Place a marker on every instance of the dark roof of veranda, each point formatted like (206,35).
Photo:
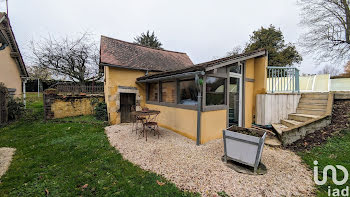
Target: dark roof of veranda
(203,66)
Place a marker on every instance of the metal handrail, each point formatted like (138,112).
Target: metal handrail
(282,79)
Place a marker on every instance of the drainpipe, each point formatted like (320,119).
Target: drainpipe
(24,92)
(199,118)
(199,105)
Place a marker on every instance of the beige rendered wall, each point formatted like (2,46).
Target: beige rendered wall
(212,124)
(184,122)
(249,94)
(115,77)
(255,69)
(9,72)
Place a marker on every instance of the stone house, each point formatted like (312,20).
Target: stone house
(138,76)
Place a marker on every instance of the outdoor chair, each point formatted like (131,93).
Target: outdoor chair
(136,120)
(152,124)
(136,123)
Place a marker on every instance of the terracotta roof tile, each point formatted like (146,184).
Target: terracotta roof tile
(133,56)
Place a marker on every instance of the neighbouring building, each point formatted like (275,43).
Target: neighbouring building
(138,76)
(13,72)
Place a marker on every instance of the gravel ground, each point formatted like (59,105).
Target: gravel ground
(200,169)
(5,159)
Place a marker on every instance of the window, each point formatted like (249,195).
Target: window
(188,92)
(168,92)
(235,68)
(215,91)
(153,92)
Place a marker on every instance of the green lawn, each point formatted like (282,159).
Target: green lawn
(71,159)
(335,152)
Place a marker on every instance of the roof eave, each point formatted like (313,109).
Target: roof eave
(257,54)
(180,75)
(199,68)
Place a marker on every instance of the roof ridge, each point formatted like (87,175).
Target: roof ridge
(143,45)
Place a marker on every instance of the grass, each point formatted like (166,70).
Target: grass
(335,152)
(72,159)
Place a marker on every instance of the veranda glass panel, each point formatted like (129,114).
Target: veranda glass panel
(234,103)
(235,68)
(188,92)
(168,92)
(215,91)
(153,92)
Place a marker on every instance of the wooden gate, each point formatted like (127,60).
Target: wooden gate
(3,105)
(127,105)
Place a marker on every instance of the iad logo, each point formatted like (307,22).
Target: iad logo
(335,191)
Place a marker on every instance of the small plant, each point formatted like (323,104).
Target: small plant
(101,111)
(223,194)
(15,108)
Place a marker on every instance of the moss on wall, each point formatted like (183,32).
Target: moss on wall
(74,106)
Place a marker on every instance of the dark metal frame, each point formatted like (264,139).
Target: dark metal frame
(204,107)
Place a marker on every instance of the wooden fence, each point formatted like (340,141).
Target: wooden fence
(3,105)
(78,89)
(271,108)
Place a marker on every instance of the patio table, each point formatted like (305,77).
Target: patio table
(150,116)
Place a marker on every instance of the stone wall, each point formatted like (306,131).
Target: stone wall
(60,106)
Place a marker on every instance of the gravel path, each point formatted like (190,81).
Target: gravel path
(200,169)
(5,159)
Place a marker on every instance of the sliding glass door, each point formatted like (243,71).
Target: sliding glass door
(235,96)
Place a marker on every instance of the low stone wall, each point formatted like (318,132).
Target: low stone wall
(342,95)
(300,132)
(60,106)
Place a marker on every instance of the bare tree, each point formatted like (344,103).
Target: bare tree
(76,59)
(36,72)
(328,35)
(347,67)
(328,69)
(235,51)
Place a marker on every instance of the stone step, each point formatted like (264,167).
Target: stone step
(290,123)
(272,141)
(279,128)
(315,95)
(301,117)
(313,100)
(312,106)
(311,111)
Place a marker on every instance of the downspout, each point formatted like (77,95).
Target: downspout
(24,92)
(199,83)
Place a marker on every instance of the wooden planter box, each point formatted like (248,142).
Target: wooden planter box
(244,145)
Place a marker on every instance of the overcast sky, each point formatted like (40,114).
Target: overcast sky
(202,28)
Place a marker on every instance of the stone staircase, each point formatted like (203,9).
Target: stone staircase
(313,112)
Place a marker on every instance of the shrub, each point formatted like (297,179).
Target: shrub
(101,111)
(15,108)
